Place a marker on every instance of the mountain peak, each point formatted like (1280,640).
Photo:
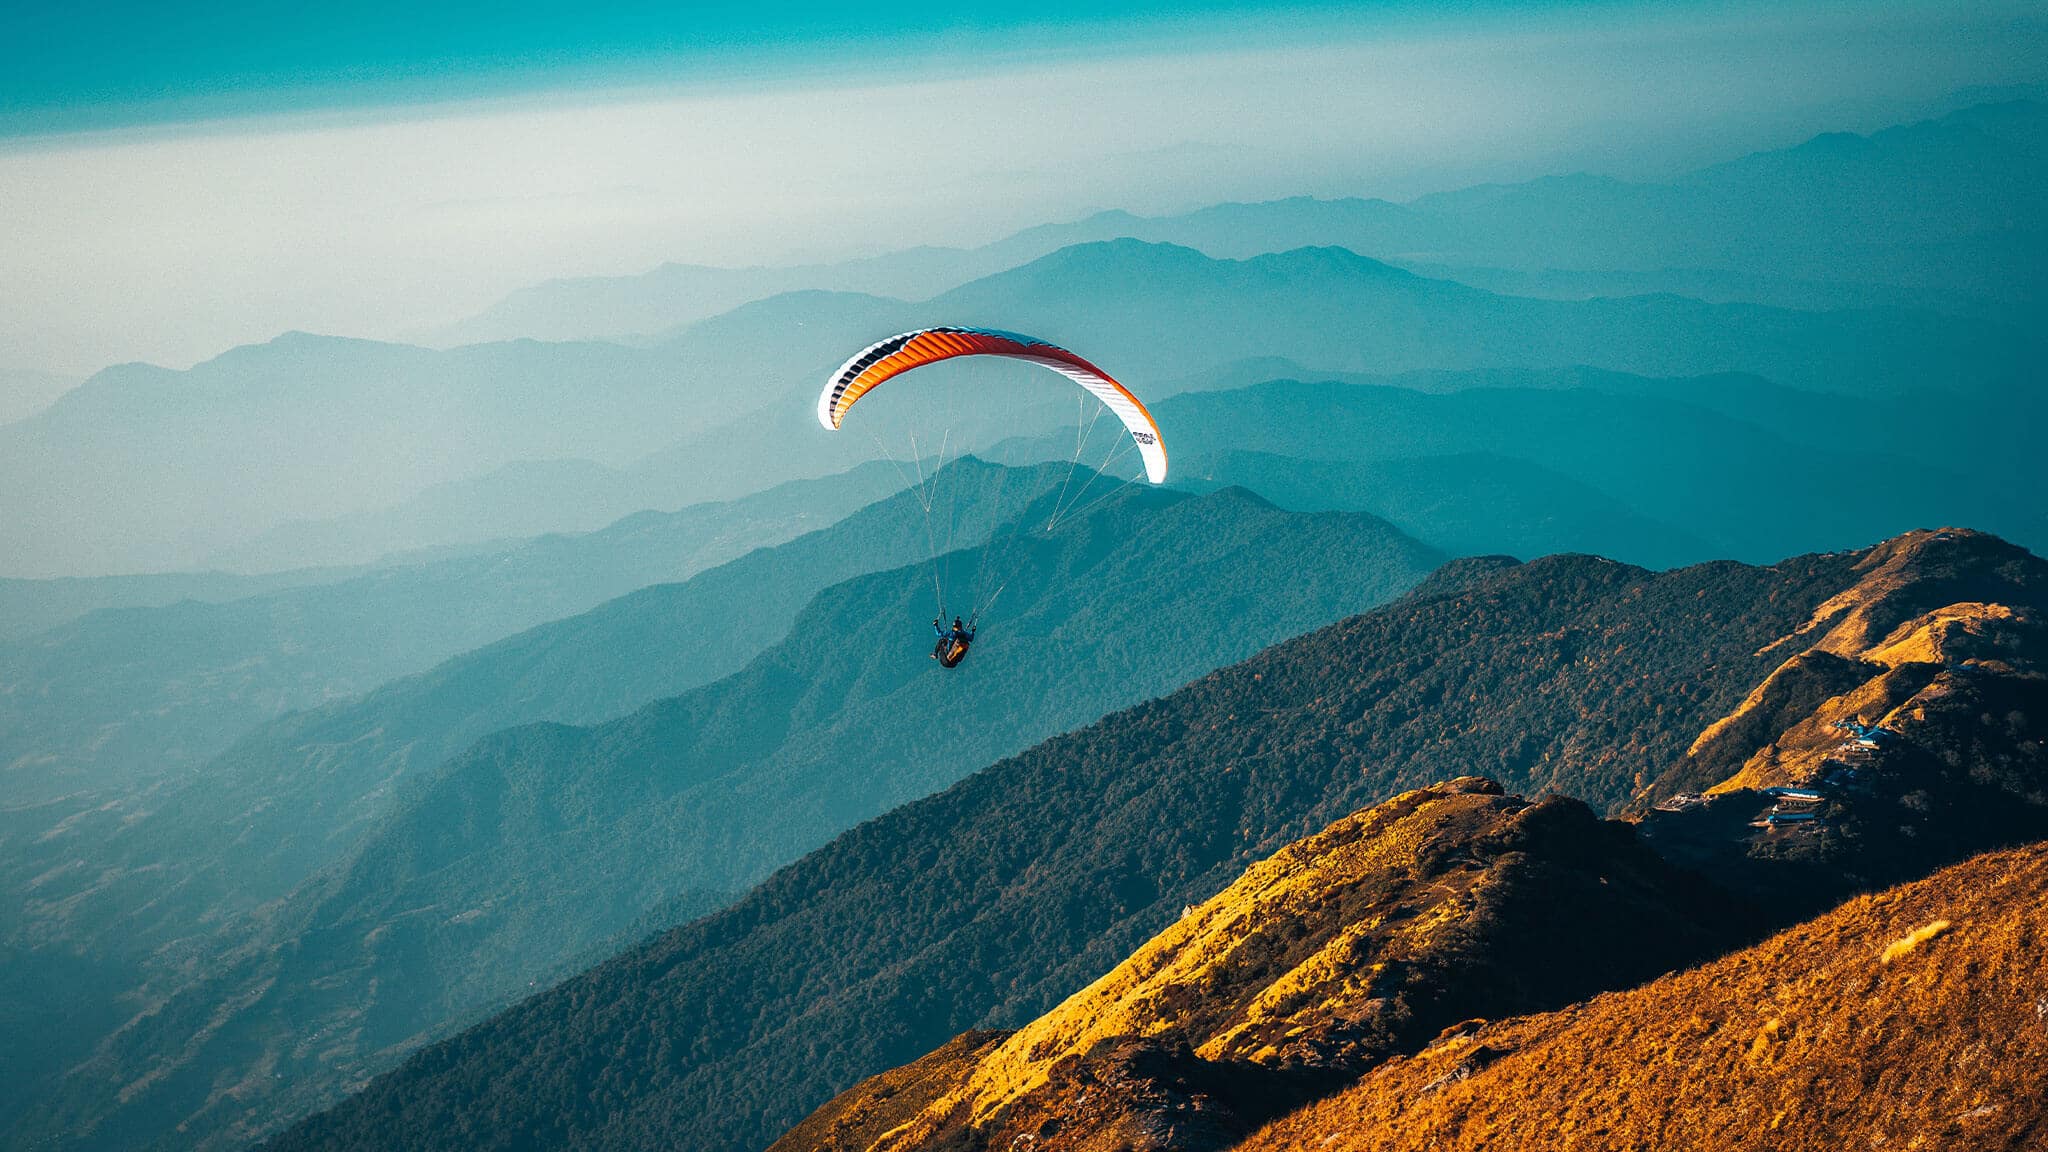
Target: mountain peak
(1330,257)
(1125,248)
(295,338)
(1240,493)
(1461,574)
(1933,599)
(294,345)
(1118,259)
(1864,755)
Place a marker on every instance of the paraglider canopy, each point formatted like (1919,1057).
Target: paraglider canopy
(899,354)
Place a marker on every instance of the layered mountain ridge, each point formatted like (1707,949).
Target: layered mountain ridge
(1365,884)
(145,693)
(541,846)
(700,412)
(1958,183)
(1171,1051)
(988,904)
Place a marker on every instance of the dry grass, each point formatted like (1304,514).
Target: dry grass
(1799,1043)
(1223,958)
(857,1117)
(1912,940)
(1340,950)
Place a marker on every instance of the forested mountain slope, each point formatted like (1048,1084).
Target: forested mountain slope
(543,842)
(1314,969)
(134,695)
(1343,949)
(987,904)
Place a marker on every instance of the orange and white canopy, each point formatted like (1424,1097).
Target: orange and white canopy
(899,354)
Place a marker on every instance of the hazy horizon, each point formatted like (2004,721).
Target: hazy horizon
(170,241)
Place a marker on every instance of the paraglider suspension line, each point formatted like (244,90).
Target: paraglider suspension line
(1081,434)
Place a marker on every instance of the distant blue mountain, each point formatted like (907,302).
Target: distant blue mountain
(1943,213)
(1467,504)
(141,469)
(1696,476)
(1162,313)
(135,694)
(516,858)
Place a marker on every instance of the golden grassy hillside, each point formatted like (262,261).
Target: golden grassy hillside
(855,1119)
(1916,1018)
(1346,947)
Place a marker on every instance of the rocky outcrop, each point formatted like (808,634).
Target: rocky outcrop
(1928,611)
(1906,729)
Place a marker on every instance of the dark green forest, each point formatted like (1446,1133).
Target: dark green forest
(986,904)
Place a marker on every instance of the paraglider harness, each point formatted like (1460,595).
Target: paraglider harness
(953,642)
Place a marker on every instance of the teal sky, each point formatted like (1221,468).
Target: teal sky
(107,63)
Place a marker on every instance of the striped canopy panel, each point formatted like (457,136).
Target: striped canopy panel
(899,354)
